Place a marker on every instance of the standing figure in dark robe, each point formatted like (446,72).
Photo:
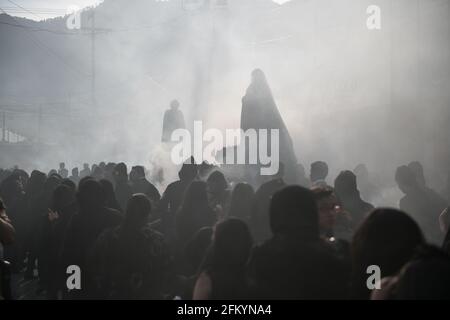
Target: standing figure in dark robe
(420,204)
(259,111)
(122,187)
(173,120)
(172,199)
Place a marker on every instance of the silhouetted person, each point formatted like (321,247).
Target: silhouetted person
(131,261)
(97,172)
(195,250)
(223,275)
(84,179)
(122,187)
(295,263)
(194,214)
(41,233)
(75,177)
(260,215)
(140,184)
(69,183)
(62,209)
(84,228)
(318,174)
(218,193)
(205,169)
(242,202)
(109,171)
(326,205)
(387,239)
(425,277)
(7,232)
(102,165)
(63,172)
(417,168)
(191,260)
(86,171)
(418,203)
(14,198)
(259,111)
(173,120)
(7,237)
(173,197)
(444,220)
(33,194)
(349,197)
(369,192)
(110,196)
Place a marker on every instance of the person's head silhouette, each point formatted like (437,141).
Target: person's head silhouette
(387,238)
(120,172)
(232,242)
(188,171)
(345,185)
(63,196)
(425,277)
(293,213)
(90,195)
(174,105)
(258,76)
(406,179)
(138,211)
(242,199)
(216,182)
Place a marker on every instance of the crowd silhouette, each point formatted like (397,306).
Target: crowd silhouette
(209,237)
(221,234)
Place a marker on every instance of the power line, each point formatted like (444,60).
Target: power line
(35,10)
(36,29)
(42,45)
(17,5)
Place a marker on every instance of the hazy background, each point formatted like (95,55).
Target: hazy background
(347,94)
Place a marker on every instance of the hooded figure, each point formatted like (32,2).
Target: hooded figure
(259,111)
(173,120)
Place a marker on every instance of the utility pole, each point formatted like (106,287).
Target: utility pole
(3,126)
(93,80)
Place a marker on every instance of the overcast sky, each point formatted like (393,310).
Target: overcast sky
(43,9)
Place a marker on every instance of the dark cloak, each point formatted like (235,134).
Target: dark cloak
(259,111)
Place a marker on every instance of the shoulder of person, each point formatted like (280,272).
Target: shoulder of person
(203,287)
